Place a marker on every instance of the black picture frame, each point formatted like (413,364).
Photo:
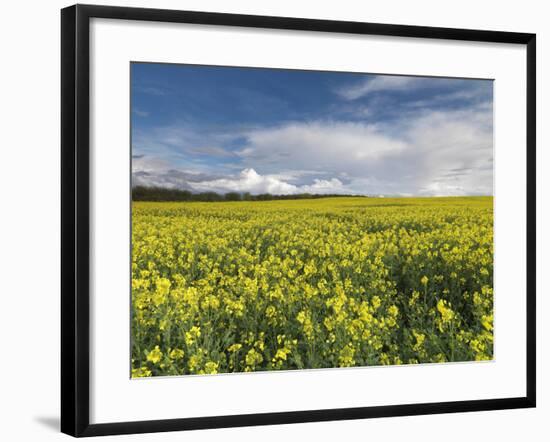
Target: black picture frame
(75,224)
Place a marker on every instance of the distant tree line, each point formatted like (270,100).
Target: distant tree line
(143,193)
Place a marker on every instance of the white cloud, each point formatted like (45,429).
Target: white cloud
(144,163)
(141,113)
(248,180)
(212,151)
(427,153)
(152,91)
(408,156)
(319,145)
(182,146)
(334,185)
(376,84)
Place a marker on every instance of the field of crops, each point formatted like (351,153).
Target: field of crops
(335,282)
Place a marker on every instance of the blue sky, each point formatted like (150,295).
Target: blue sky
(254,130)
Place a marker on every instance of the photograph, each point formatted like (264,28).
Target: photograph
(298,219)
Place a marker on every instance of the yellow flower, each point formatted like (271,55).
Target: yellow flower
(393,310)
(154,355)
(234,348)
(176,353)
(487,322)
(270,311)
(282,353)
(329,323)
(414,298)
(304,318)
(307,283)
(211,302)
(141,372)
(253,358)
(477,345)
(420,338)
(192,335)
(211,367)
(195,361)
(346,356)
(447,313)
(163,286)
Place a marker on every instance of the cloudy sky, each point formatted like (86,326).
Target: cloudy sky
(283,132)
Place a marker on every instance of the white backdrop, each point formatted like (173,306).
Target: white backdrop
(114,397)
(30,219)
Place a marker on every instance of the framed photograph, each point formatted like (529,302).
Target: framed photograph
(273,220)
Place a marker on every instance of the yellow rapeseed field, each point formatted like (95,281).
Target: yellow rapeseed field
(331,282)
